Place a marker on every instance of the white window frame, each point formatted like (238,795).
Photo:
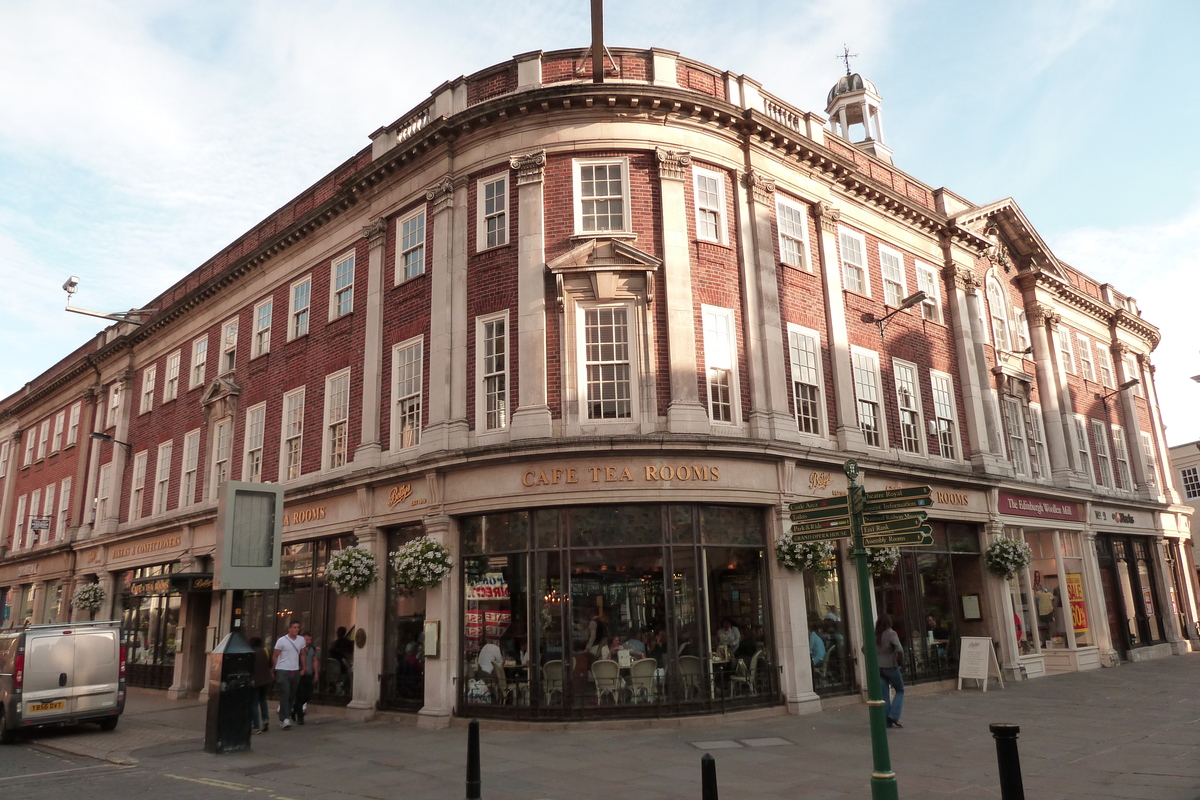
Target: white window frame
(583,309)
(793,233)
(30,445)
(199,364)
(998,316)
(292,436)
(1133,370)
(929,282)
(1066,350)
(909,401)
(222,451)
(49,511)
(162,478)
(137,486)
(60,422)
(1104,366)
(406,268)
(43,439)
(721,363)
(171,382)
(1189,479)
(1083,449)
(408,393)
(1104,475)
(261,343)
(64,506)
(807,372)
(189,469)
(1014,431)
(492,385)
(73,423)
(859,271)
(35,501)
(4,453)
(868,396)
(299,316)
(1084,352)
(578,166)
(1020,329)
(709,211)
(336,425)
(104,492)
(229,346)
(21,523)
(897,280)
(491,213)
(149,379)
(341,296)
(945,413)
(1148,455)
(1037,434)
(1121,458)
(252,445)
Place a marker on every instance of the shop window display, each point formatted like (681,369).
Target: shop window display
(150,622)
(1052,602)
(404,649)
(832,662)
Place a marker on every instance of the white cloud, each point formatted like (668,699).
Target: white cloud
(1159,265)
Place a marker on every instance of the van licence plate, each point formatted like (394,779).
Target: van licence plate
(56,705)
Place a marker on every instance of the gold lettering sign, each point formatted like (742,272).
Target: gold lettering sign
(150,587)
(399,494)
(144,547)
(819,480)
(301,517)
(952,498)
(650,473)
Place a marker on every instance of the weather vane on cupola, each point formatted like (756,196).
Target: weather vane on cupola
(846,56)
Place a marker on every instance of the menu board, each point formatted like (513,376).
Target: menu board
(976,659)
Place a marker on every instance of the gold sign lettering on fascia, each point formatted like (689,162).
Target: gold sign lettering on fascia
(301,517)
(144,547)
(946,498)
(648,473)
(819,480)
(399,494)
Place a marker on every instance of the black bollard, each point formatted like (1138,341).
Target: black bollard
(708,777)
(473,782)
(1008,760)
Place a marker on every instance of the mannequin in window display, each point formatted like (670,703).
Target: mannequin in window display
(1044,599)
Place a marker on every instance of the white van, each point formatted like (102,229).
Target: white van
(63,673)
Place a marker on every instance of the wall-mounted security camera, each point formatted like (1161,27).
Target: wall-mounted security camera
(71,285)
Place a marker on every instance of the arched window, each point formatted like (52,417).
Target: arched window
(998,309)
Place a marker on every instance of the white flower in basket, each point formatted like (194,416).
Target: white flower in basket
(421,564)
(352,571)
(88,597)
(1007,557)
(883,560)
(811,557)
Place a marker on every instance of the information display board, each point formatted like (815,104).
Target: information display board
(977,660)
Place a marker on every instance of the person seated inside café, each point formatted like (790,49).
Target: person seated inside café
(636,645)
(656,645)
(729,636)
(490,659)
(816,644)
(938,630)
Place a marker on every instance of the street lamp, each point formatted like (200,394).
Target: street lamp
(906,303)
(133,316)
(1129,384)
(104,437)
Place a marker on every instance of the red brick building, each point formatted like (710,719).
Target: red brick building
(594,338)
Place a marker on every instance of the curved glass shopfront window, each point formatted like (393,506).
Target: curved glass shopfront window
(615,610)
(150,621)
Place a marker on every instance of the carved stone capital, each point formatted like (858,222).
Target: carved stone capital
(127,375)
(761,187)
(1120,349)
(442,195)
(531,167)
(828,216)
(962,278)
(374,232)
(1041,314)
(673,164)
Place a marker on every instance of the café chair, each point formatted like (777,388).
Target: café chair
(747,678)
(607,676)
(552,680)
(641,680)
(691,672)
(504,691)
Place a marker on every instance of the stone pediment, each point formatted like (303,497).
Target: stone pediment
(603,262)
(1014,244)
(220,397)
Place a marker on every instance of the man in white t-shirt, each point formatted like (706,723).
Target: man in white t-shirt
(490,658)
(289,652)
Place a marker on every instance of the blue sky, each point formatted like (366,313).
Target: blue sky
(139,138)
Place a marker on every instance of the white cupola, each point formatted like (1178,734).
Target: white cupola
(854,101)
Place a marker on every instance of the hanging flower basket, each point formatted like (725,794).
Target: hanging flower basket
(1007,557)
(421,564)
(882,560)
(88,597)
(352,571)
(811,557)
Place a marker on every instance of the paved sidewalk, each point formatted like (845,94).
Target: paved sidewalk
(1130,732)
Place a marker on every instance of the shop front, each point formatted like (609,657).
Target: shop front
(149,608)
(403,681)
(615,610)
(33,590)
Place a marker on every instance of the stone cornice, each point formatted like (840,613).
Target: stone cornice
(1069,296)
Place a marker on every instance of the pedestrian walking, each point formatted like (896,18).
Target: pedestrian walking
(262,682)
(310,666)
(289,652)
(891,662)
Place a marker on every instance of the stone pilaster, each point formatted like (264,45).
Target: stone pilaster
(1169,489)
(531,419)
(1042,320)
(791,633)
(369,449)
(849,433)
(370,612)
(436,434)
(985,447)
(442,605)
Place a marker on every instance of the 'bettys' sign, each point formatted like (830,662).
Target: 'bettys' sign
(1021,505)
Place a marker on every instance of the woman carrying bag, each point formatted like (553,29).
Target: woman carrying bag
(891,662)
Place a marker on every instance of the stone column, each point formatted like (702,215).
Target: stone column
(1160,439)
(10,489)
(39,601)
(1163,584)
(1131,429)
(987,388)
(791,632)
(436,435)
(1094,595)
(370,448)
(442,604)
(849,433)
(120,454)
(685,414)
(998,600)
(370,609)
(765,355)
(1041,318)
(963,288)
(531,419)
